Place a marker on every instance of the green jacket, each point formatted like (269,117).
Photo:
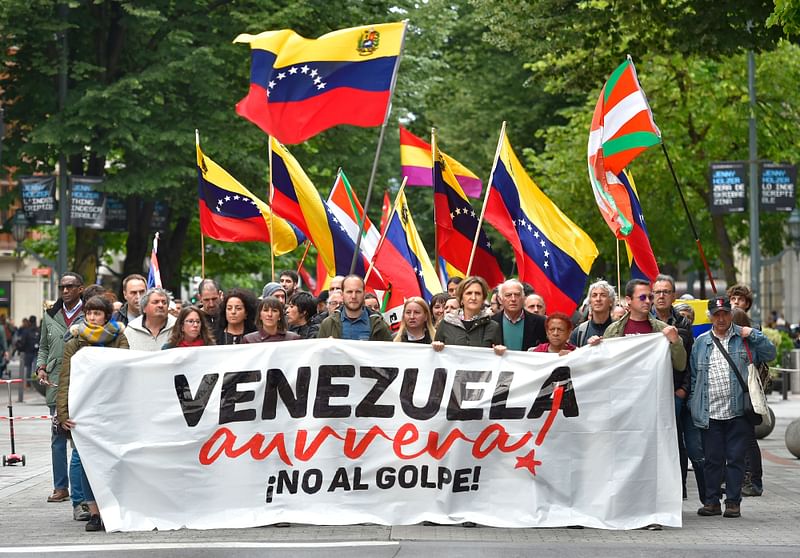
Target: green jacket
(332,327)
(677,350)
(484,333)
(51,346)
(70,348)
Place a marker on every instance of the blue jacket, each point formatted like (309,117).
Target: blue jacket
(762,350)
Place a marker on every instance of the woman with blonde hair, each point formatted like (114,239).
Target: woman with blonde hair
(416,325)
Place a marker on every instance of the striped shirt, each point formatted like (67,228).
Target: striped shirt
(719,380)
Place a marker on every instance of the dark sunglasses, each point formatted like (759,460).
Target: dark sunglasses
(644,297)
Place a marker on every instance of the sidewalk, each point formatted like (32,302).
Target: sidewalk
(770,521)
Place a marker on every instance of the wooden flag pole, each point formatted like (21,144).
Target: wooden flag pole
(303,259)
(689,217)
(486,198)
(386,229)
(619,273)
(269,197)
(357,250)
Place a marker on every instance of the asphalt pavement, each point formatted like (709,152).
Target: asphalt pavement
(30,526)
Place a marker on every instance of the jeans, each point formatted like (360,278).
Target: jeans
(693,444)
(725,441)
(752,460)
(61,479)
(88,495)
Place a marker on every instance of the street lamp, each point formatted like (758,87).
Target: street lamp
(794,229)
(19,227)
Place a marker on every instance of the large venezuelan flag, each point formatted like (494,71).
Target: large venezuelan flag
(297,200)
(416,161)
(300,87)
(553,253)
(456,225)
(231,213)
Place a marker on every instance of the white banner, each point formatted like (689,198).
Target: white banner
(341,432)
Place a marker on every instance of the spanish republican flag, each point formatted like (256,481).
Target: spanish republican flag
(300,87)
(231,213)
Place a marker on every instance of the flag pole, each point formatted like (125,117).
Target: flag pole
(357,250)
(689,217)
(486,198)
(202,236)
(269,197)
(202,255)
(619,273)
(435,228)
(303,259)
(386,229)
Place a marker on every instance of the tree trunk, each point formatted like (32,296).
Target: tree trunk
(170,250)
(86,242)
(139,216)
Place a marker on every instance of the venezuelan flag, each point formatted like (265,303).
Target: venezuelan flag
(403,260)
(457,223)
(300,87)
(416,162)
(231,213)
(553,253)
(640,253)
(297,200)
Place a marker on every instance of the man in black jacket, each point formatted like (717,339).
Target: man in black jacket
(521,330)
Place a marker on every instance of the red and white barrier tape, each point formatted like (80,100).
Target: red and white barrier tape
(16,381)
(40,417)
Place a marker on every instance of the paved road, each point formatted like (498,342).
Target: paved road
(30,526)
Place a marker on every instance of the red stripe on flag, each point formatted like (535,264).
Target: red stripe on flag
(227,229)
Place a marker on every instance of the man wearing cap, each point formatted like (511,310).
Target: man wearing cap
(717,403)
(274,289)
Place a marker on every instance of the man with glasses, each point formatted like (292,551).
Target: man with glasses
(67,309)
(689,438)
(638,320)
(520,329)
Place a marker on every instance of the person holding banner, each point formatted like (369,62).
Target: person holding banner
(271,323)
(191,330)
(153,328)
(416,325)
(354,321)
(472,325)
(97,330)
(558,327)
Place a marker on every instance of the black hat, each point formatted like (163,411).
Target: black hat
(719,303)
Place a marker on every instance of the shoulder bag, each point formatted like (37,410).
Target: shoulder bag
(749,412)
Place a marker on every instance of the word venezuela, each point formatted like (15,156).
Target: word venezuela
(390,396)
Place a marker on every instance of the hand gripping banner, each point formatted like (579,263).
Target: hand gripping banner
(339,432)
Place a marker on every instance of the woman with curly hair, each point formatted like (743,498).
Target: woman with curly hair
(237,317)
(190,330)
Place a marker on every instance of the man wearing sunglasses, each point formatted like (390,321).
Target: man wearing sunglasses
(67,310)
(638,320)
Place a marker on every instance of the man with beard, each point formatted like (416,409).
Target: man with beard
(354,321)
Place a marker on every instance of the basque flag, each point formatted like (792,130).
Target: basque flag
(553,253)
(300,87)
(154,275)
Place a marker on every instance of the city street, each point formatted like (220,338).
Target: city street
(30,526)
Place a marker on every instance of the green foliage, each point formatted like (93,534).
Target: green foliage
(787,15)
(782,341)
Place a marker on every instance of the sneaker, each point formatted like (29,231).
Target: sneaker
(95,524)
(710,510)
(732,510)
(752,490)
(81,512)
(59,495)
(469,524)
(654,527)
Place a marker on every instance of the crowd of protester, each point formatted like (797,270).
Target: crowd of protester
(712,433)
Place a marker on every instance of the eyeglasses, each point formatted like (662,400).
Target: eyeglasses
(662,293)
(69,286)
(643,297)
(192,322)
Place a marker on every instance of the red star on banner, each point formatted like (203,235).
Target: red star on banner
(528,462)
